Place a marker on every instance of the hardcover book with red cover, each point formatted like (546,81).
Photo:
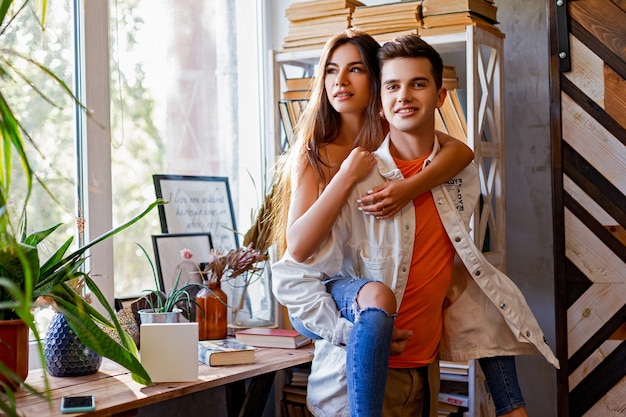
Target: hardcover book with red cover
(269,337)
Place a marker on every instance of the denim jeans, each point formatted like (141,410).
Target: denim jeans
(501,379)
(367,356)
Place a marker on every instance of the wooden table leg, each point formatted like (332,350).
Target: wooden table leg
(250,403)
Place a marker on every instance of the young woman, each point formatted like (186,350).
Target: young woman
(333,151)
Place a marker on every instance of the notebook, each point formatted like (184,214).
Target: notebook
(169,351)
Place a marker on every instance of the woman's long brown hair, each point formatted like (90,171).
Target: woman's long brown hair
(319,125)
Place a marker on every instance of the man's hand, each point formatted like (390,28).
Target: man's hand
(399,338)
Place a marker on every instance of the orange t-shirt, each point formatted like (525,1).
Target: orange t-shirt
(429,278)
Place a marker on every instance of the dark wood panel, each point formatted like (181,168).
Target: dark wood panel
(576,282)
(601,26)
(594,110)
(598,382)
(596,340)
(621,4)
(598,229)
(594,184)
(604,20)
(599,48)
(615,95)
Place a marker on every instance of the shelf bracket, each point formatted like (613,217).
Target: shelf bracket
(562,38)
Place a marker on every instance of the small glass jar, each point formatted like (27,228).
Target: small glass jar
(212,311)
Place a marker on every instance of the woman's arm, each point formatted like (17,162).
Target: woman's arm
(311,214)
(451,159)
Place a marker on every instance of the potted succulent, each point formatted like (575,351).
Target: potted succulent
(23,275)
(161,307)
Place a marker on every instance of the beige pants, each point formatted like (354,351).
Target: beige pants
(408,393)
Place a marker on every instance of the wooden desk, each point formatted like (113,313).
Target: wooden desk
(118,395)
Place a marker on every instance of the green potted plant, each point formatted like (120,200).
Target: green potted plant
(24,277)
(162,307)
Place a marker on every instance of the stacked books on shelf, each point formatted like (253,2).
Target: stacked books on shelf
(225,352)
(311,23)
(387,21)
(298,88)
(453,393)
(458,399)
(290,112)
(300,376)
(447,368)
(273,338)
(451,16)
(293,402)
(450,118)
(294,409)
(450,79)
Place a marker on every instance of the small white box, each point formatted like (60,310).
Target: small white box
(169,351)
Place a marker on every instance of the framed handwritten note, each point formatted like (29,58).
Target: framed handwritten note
(197,204)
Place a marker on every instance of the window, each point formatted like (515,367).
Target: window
(180,72)
(181,100)
(50,121)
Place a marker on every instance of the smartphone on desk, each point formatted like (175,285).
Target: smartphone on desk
(78,404)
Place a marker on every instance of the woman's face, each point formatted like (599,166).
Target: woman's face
(346,80)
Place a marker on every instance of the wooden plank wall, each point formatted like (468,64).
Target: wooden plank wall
(589,177)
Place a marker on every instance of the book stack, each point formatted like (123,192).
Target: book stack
(443,17)
(448,368)
(293,409)
(273,338)
(453,396)
(298,88)
(450,117)
(311,23)
(450,79)
(290,112)
(224,352)
(387,21)
(293,401)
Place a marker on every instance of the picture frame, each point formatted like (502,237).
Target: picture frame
(167,255)
(197,204)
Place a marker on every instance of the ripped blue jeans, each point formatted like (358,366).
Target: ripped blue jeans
(367,356)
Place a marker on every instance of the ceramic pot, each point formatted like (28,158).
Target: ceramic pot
(14,350)
(65,354)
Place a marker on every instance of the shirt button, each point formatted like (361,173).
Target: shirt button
(406,227)
(477,273)
(440,201)
(527,333)
(502,305)
(404,269)
(457,239)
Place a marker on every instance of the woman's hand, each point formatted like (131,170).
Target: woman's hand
(357,165)
(387,199)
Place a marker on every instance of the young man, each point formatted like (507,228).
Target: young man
(414,254)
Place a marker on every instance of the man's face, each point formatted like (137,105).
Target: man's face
(409,95)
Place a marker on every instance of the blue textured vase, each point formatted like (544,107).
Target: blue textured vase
(65,354)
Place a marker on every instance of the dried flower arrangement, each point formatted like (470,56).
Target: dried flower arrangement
(234,263)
